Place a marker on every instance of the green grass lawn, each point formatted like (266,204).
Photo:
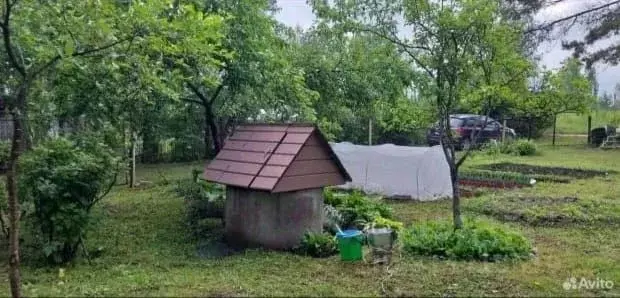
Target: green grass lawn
(148,250)
(578,124)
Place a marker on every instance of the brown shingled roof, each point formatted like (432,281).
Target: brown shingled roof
(277,158)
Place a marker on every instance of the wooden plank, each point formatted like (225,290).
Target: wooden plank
(272,171)
(295,138)
(236,167)
(307,167)
(266,128)
(308,182)
(236,179)
(213,175)
(280,160)
(251,146)
(313,140)
(274,136)
(312,153)
(242,156)
(264,183)
(305,129)
(288,148)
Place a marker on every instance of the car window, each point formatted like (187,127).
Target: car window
(456,122)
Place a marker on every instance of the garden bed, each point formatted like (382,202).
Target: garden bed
(546,210)
(491,179)
(544,170)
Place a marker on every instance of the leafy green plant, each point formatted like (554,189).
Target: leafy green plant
(203,200)
(524,148)
(318,245)
(357,209)
(475,241)
(380,222)
(64,179)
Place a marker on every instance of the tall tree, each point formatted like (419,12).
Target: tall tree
(36,37)
(462,46)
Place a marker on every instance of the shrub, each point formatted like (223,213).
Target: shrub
(357,209)
(318,245)
(203,200)
(63,180)
(475,241)
(524,148)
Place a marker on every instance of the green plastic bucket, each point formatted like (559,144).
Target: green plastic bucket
(350,245)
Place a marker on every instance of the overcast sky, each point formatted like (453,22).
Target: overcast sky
(297,12)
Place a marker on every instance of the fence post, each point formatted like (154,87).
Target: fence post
(589,129)
(504,131)
(132,173)
(555,118)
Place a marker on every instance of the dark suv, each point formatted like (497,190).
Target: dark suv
(463,128)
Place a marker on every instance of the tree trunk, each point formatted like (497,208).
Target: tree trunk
(13,202)
(456,198)
(213,128)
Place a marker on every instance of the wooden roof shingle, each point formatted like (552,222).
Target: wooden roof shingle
(277,158)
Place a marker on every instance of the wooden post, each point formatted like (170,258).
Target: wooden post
(369,132)
(554,126)
(589,129)
(132,173)
(504,131)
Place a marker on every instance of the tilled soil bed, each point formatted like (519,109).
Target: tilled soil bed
(543,170)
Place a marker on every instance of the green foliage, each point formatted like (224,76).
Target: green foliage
(519,147)
(524,148)
(381,222)
(475,241)
(355,208)
(495,175)
(64,179)
(5,152)
(318,245)
(203,201)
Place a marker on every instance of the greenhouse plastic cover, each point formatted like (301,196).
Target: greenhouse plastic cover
(396,171)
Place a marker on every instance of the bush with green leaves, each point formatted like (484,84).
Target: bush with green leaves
(63,179)
(355,208)
(204,201)
(524,148)
(475,241)
(318,245)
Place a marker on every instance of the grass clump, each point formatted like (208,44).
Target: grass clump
(475,241)
(318,245)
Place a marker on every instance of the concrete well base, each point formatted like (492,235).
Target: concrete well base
(274,221)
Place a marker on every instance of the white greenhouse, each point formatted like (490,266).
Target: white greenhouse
(419,173)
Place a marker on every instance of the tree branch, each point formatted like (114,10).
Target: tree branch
(80,53)
(6,35)
(190,100)
(550,25)
(406,48)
